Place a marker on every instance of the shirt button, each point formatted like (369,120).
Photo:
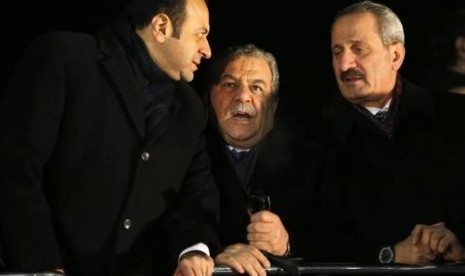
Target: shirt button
(127,224)
(145,156)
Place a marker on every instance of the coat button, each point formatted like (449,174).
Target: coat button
(145,156)
(127,224)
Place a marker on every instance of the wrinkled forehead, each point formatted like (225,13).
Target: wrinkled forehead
(354,27)
(249,66)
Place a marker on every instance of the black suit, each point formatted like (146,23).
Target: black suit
(78,184)
(385,185)
(287,169)
(451,115)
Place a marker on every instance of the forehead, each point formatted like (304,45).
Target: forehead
(355,27)
(250,66)
(197,13)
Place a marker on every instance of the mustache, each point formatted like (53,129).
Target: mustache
(352,73)
(242,108)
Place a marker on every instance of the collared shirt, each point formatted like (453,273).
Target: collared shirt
(243,163)
(392,106)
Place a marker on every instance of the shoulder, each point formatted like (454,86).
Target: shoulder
(187,94)
(294,143)
(417,98)
(61,45)
(63,39)
(190,103)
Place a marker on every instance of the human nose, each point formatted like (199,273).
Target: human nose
(205,49)
(345,61)
(243,94)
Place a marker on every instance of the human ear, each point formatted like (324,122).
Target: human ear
(162,27)
(398,55)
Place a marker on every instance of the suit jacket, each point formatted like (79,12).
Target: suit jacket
(79,187)
(287,168)
(451,116)
(383,185)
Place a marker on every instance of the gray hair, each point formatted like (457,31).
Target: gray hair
(220,61)
(390,27)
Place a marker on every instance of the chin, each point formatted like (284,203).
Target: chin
(187,77)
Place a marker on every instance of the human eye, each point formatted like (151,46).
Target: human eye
(359,50)
(336,51)
(228,84)
(257,89)
(202,34)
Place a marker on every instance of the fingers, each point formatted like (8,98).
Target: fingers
(408,253)
(416,233)
(244,259)
(267,232)
(445,243)
(439,237)
(264,216)
(195,264)
(211,268)
(265,226)
(246,252)
(227,259)
(429,235)
(436,237)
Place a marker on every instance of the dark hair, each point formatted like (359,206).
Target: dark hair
(443,35)
(141,12)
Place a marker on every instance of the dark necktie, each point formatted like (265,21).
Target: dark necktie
(237,154)
(381,115)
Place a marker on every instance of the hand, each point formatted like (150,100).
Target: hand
(441,240)
(244,258)
(267,233)
(408,252)
(195,263)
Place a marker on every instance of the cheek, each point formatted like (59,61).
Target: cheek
(336,64)
(216,107)
(220,105)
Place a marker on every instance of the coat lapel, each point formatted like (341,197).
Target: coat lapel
(119,71)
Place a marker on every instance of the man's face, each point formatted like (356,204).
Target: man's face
(365,68)
(243,102)
(183,55)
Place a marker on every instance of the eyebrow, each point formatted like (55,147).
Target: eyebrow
(254,80)
(204,30)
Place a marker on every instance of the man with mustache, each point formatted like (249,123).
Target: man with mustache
(256,163)
(387,203)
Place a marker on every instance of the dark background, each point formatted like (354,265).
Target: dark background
(295,31)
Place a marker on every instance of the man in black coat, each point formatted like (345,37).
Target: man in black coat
(103,157)
(388,203)
(268,176)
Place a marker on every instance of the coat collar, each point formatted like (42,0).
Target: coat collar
(119,71)
(344,117)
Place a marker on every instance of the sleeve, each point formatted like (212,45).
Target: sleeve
(30,114)
(196,212)
(339,242)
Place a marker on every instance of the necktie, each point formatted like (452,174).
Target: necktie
(237,154)
(381,115)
